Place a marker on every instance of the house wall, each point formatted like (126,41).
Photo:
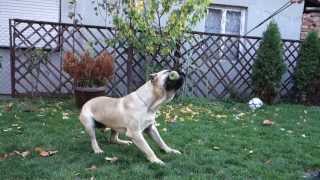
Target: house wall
(86,9)
(289,20)
(24,9)
(5,73)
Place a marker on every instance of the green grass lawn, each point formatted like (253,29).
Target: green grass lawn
(218,140)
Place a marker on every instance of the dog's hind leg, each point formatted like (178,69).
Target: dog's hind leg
(89,125)
(115,138)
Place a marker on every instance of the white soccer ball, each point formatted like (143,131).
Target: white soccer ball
(255,103)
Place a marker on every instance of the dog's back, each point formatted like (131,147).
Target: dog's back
(101,112)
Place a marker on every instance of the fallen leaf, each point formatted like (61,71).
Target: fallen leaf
(3,157)
(38,149)
(267,122)
(92,168)
(65,115)
(164,129)
(216,148)
(268,161)
(111,159)
(53,152)
(303,135)
(23,154)
(8,107)
(7,155)
(173,120)
(44,153)
(241,114)
(188,109)
(221,116)
(8,129)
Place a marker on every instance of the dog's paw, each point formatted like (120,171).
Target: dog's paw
(98,151)
(158,161)
(122,142)
(173,151)
(125,142)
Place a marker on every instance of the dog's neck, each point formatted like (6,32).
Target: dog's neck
(148,98)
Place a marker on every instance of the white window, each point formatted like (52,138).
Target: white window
(226,20)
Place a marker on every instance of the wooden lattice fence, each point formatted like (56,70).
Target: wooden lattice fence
(216,65)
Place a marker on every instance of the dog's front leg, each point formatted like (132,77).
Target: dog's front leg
(141,143)
(154,134)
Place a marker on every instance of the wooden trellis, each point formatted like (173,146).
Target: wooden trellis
(217,65)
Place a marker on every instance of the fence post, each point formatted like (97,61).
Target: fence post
(129,68)
(177,56)
(12,58)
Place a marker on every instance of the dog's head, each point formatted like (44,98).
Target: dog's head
(167,81)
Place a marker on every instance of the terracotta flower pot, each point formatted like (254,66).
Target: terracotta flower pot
(84,94)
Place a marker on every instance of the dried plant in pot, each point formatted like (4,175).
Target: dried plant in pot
(90,74)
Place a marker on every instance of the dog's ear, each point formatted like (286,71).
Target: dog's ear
(153,77)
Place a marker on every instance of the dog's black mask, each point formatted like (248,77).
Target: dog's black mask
(175,84)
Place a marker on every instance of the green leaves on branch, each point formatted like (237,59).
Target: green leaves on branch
(309,63)
(157,25)
(269,67)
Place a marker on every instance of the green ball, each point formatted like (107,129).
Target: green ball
(174,75)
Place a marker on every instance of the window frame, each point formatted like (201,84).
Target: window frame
(224,9)
(243,20)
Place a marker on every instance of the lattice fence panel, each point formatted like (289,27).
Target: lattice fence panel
(221,65)
(216,65)
(47,77)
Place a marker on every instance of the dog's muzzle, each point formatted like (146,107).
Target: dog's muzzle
(175,84)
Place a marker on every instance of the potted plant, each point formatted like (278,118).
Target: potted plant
(90,74)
